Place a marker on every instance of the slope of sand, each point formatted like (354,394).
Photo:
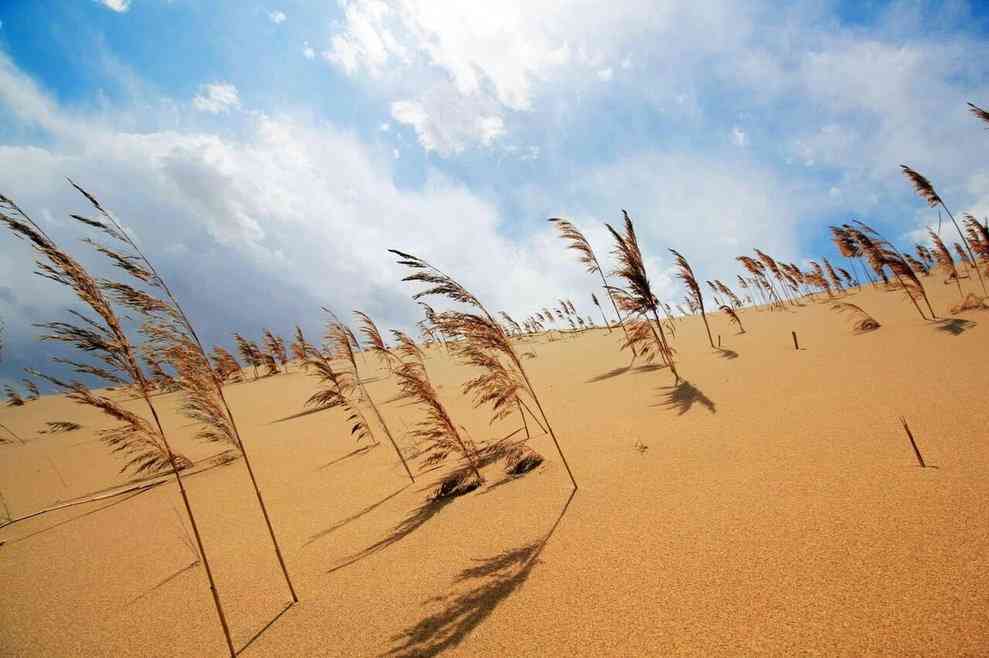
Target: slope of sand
(772,505)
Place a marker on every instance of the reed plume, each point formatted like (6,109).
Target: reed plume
(594,299)
(14,398)
(275,348)
(861,321)
(300,346)
(334,391)
(945,260)
(342,340)
(686,274)
(437,429)
(585,254)
(878,248)
(250,352)
(917,266)
(374,340)
(225,365)
(979,113)
(733,316)
(978,236)
(637,299)
(32,389)
(169,326)
(926,191)
(482,342)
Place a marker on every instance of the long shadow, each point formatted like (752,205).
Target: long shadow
(615,372)
(75,518)
(410,524)
(683,396)
(161,583)
(301,414)
(360,451)
(264,628)
(726,353)
(354,517)
(499,577)
(954,326)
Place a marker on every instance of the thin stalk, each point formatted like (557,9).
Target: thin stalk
(552,434)
(381,420)
(968,247)
(661,338)
(218,386)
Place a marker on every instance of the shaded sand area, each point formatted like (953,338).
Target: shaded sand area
(771,504)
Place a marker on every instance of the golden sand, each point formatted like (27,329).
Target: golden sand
(773,505)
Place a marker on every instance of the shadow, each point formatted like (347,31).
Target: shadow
(75,518)
(354,517)
(499,576)
(726,353)
(301,414)
(652,367)
(683,396)
(419,517)
(954,326)
(264,628)
(354,453)
(161,584)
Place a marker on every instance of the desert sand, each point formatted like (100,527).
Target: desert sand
(772,505)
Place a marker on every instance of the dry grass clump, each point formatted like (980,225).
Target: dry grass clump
(926,191)
(861,321)
(437,430)
(733,317)
(576,241)
(645,330)
(481,342)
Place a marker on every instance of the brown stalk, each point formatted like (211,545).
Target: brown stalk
(107,338)
(945,260)
(926,191)
(479,334)
(638,298)
(576,241)
(861,321)
(686,274)
(196,353)
(342,340)
(437,429)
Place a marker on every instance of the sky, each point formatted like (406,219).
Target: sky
(267,154)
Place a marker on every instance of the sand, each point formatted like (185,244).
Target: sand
(774,506)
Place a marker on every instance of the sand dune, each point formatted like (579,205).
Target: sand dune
(770,504)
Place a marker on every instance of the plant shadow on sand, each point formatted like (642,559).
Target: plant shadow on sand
(493,580)
(683,396)
(615,372)
(954,326)
(355,516)
(726,353)
(360,451)
(419,517)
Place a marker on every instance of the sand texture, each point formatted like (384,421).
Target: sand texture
(772,504)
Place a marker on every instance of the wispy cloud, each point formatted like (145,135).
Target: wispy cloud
(217,98)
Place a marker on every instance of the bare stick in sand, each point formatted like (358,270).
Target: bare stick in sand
(916,450)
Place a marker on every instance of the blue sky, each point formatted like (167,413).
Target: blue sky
(268,153)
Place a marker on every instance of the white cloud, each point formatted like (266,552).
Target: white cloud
(217,98)
(277,16)
(738,137)
(384,127)
(308,52)
(446,132)
(119,6)
(605,74)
